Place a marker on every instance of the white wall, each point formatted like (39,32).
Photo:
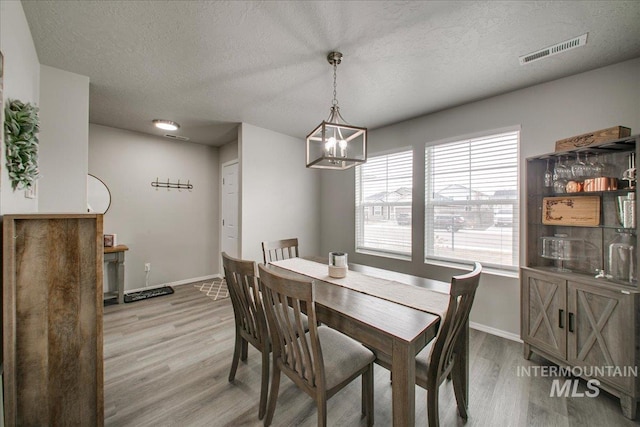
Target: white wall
(64,141)
(279,194)
(21,81)
(228,152)
(176,231)
(574,105)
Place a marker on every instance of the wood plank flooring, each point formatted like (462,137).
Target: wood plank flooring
(167,362)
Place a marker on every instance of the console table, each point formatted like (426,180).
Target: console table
(115,256)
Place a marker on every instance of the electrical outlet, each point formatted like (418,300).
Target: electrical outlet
(147,266)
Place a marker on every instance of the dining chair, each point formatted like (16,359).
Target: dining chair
(322,363)
(251,325)
(279,250)
(436,361)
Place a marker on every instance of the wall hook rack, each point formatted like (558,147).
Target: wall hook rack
(181,186)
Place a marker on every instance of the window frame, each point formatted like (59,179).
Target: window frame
(516,253)
(361,249)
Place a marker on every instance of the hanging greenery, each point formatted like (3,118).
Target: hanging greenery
(21,124)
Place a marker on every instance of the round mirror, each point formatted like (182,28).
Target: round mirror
(98,195)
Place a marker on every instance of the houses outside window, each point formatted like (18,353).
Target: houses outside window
(383,204)
(471,201)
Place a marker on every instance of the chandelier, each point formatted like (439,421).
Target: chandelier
(334,144)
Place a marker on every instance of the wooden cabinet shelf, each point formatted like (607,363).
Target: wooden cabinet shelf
(573,311)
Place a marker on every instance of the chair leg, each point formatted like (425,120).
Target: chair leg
(367,395)
(245,348)
(321,403)
(236,357)
(265,384)
(459,393)
(432,405)
(273,396)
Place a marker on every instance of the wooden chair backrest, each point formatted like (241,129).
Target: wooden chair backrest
(284,300)
(279,250)
(461,295)
(242,281)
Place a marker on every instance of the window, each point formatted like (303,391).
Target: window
(383,204)
(471,201)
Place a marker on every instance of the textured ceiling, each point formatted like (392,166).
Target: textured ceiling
(210,65)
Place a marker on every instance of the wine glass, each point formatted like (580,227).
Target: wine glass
(560,174)
(596,168)
(560,170)
(579,169)
(560,185)
(548,176)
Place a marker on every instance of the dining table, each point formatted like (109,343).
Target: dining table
(394,314)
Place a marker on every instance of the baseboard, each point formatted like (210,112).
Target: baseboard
(178,283)
(494,331)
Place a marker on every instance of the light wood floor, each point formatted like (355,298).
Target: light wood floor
(167,361)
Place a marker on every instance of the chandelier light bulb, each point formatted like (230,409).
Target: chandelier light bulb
(343,148)
(330,144)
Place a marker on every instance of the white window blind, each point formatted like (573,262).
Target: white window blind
(383,204)
(471,201)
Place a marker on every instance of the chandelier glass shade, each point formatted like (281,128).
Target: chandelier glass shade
(334,144)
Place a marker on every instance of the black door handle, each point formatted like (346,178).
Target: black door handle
(571,322)
(561,318)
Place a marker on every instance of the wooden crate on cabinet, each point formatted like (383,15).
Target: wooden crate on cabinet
(52,319)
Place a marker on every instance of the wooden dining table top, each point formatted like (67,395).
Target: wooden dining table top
(388,318)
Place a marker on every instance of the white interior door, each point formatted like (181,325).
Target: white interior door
(230,201)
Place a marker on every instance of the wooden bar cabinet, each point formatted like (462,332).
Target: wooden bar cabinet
(580,308)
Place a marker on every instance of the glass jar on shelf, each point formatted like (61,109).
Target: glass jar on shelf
(622,257)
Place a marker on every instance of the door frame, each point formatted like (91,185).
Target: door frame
(221,227)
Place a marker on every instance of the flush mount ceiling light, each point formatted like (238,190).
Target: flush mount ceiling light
(166,124)
(334,144)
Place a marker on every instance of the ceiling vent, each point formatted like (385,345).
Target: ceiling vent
(554,50)
(178,137)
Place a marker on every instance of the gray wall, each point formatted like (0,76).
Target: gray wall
(594,100)
(64,141)
(176,231)
(21,81)
(279,194)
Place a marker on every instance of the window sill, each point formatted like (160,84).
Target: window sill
(384,254)
(485,270)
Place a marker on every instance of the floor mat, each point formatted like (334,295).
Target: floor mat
(215,290)
(148,293)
